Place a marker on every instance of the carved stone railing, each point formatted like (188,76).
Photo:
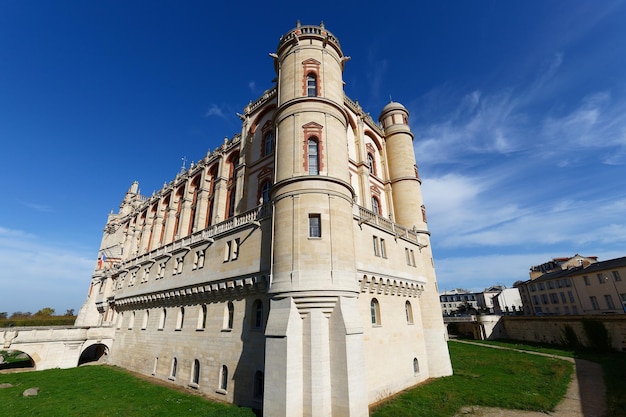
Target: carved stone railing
(269,94)
(206,235)
(367,216)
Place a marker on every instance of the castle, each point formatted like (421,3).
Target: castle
(290,269)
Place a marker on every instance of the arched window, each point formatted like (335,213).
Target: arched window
(268,143)
(258,385)
(409,312)
(131,323)
(313,147)
(229,315)
(195,379)
(202,315)
(180,318)
(265,192)
(311,85)
(224,378)
(375,205)
(416,366)
(146,316)
(371,162)
(174,368)
(375,312)
(162,319)
(156,363)
(257,314)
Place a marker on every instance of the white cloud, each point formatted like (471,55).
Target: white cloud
(36,273)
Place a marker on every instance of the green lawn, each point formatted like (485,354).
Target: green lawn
(487,377)
(102,391)
(613,366)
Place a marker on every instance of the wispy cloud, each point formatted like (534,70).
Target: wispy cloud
(215,110)
(37,207)
(37,273)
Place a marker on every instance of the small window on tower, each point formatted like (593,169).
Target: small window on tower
(315,226)
(311,85)
(313,156)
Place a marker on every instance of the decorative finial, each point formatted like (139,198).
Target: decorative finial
(390,99)
(322,24)
(183,167)
(298,23)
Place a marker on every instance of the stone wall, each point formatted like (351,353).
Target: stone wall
(560,329)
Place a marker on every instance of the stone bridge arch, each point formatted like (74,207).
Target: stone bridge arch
(93,351)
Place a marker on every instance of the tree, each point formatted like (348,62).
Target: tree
(3,315)
(69,312)
(46,311)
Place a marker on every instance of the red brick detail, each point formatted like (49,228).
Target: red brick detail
(311,66)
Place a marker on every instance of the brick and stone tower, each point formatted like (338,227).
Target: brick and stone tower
(314,337)
(410,212)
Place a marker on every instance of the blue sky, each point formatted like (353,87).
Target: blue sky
(518,110)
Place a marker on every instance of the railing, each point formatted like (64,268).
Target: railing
(266,96)
(368,216)
(242,219)
(308,30)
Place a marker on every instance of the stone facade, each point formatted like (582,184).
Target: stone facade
(288,270)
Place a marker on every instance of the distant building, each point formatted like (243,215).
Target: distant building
(452,301)
(507,301)
(493,300)
(288,270)
(590,288)
(559,264)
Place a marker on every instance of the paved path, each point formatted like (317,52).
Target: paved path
(585,396)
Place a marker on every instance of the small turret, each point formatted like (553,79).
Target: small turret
(405,183)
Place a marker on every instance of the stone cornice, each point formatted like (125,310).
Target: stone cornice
(195,294)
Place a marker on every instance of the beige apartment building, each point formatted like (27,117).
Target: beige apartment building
(290,269)
(588,288)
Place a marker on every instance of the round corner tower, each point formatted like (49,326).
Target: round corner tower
(405,183)
(314,348)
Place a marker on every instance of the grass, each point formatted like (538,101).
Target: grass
(486,377)
(613,365)
(102,391)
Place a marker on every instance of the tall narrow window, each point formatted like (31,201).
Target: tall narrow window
(376,248)
(162,319)
(257,308)
(268,143)
(416,366)
(265,192)
(383,248)
(315,225)
(196,372)
(375,205)
(174,368)
(202,315)
(180,319)
(313,157)
(146,316)
(229,315)
(311,85)
(375,312)
(371,164)
(409,312)
(224,378)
